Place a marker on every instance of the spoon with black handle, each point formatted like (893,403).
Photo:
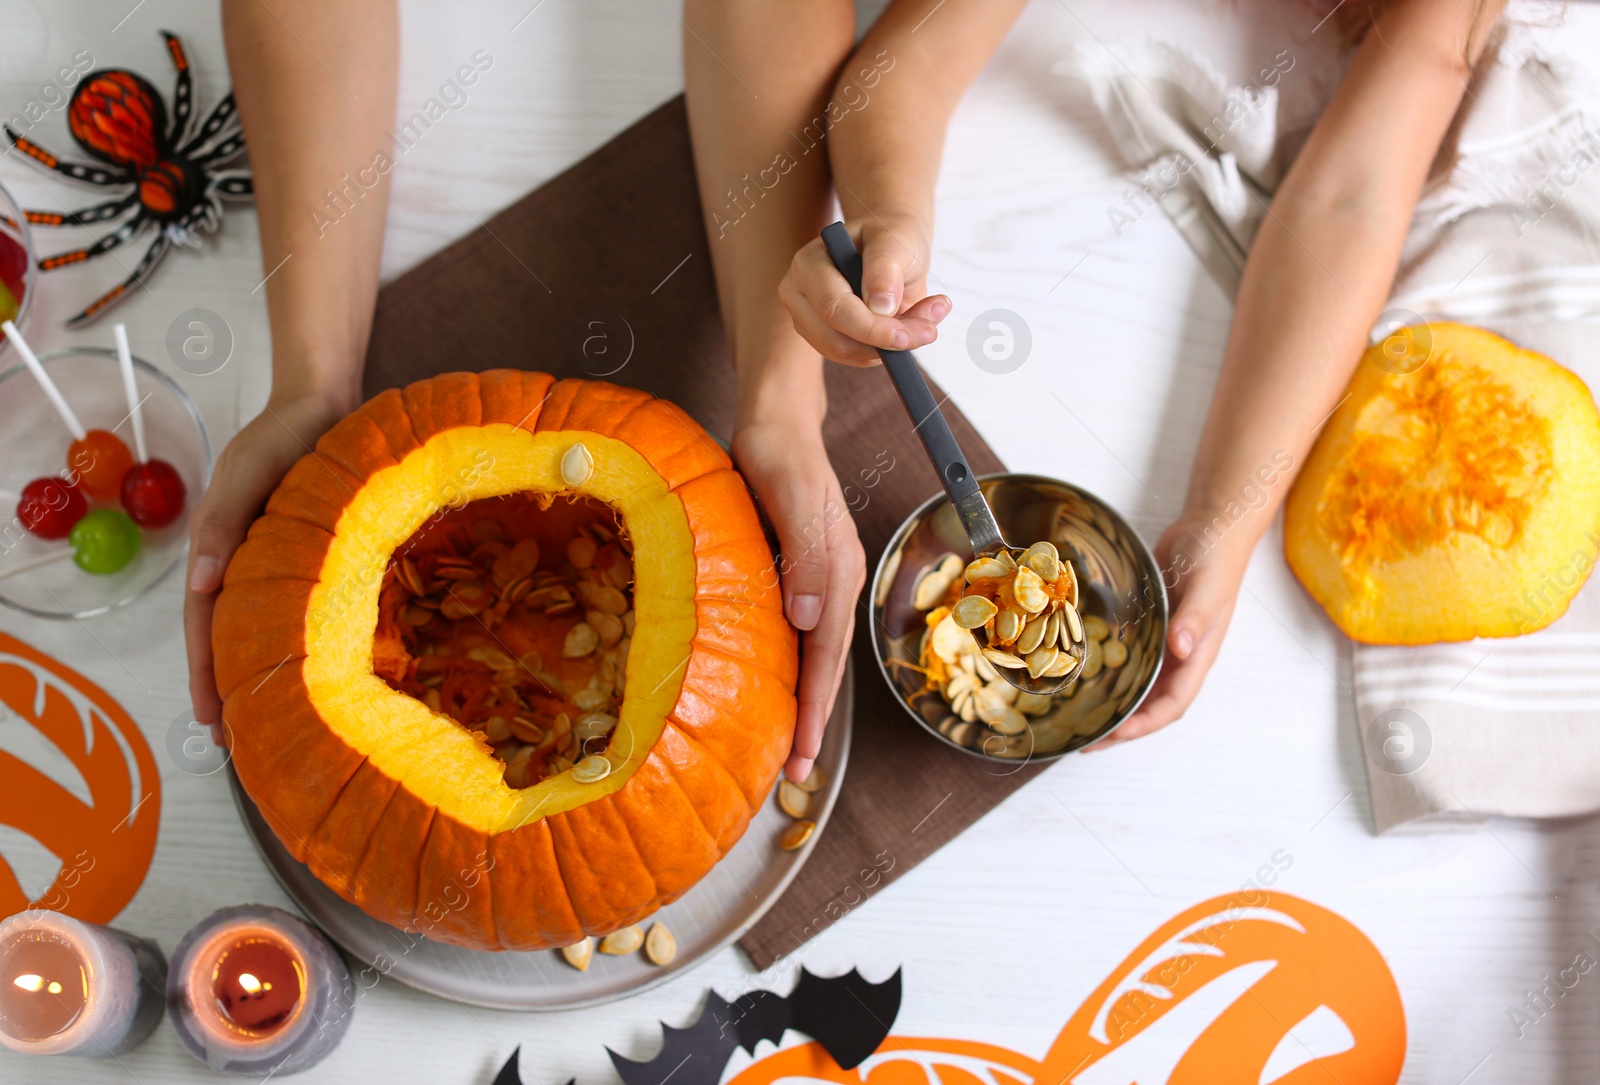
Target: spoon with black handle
(977,519)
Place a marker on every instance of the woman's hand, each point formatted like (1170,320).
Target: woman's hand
(249,469)
(898,314)
(822,567)
(1203,581)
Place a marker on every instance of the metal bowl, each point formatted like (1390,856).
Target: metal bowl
(1118,579)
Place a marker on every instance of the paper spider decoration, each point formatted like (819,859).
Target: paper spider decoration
(171,170)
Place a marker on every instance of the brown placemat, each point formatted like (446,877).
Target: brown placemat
(605,272)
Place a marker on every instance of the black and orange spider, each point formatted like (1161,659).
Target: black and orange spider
(172,168)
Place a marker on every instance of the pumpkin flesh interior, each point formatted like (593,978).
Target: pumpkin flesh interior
(512,616)
(439,761)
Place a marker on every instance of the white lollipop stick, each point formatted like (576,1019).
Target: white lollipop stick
(29,566)
(131,389)
(50,390)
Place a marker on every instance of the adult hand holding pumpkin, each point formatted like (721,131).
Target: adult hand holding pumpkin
(247,471)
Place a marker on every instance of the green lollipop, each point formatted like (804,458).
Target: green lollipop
(104,541)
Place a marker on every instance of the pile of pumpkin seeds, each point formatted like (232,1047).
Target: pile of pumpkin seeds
(798,801)
(1036,624)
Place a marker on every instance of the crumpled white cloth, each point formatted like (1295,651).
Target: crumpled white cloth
(1508,239)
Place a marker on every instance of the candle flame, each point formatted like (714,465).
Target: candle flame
(249,982)
(28,981)
(54,988)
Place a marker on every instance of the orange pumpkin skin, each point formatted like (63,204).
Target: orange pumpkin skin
(317,745)
(1454,493)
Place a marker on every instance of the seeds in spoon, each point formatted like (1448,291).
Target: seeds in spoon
(1003,659)
(1041,659)
(1032,634)
(1074,625)
(974,610)
(1028,587)
(986,567)
(1043,559)
(1008,624)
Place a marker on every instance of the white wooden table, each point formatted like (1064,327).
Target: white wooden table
(1003,933)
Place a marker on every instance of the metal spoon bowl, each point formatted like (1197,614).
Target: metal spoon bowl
(977,519)
(1119,581)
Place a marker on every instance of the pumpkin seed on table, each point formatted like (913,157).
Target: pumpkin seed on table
(623,942)
(579,954)
(659,945)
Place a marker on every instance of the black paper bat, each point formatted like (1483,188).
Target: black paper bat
(847,1015)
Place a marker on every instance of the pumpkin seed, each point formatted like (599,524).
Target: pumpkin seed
(795,836)
(973,611)
(992,703)
(1008,624)
(1093,661)
(418,616)
(1072,582)
(591,769)
(963,733)
(579,954)
(524,557)
(969,709)
(409,577)
(815,780)
(580,551)
(1062,667)
(577,464)
(934,585)
(610,600)
(1095,627)
(593,725)
(1003,659)
(561,726)
(1114,652)
(1041,659)
(609,626)
(1032,634)
(793,799)
(659,945)
(1029,590)
(987,568)
(519,770)
(591,700)
(1009,560)
(430,698)
(581,639)
(623,942)
(455,573)
(523,728)
(948,639)
(1074,626)
(1034,704)
(494,657)
(1010,722)
(1043,559)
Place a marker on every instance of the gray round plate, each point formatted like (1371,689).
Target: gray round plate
(712,915)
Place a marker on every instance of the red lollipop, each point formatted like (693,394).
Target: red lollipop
(153,493)
(50,506)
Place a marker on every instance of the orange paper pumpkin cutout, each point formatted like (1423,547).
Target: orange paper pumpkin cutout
(1254,988)
(105,844)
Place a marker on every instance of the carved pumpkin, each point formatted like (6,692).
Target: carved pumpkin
(415,815)
(1455,493)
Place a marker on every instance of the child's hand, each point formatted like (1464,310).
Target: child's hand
(1202,586)
(898,313)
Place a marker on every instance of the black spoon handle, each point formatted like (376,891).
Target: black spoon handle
(948,459)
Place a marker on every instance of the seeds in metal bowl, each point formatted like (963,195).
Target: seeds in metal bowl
(935,583)
(1114,652)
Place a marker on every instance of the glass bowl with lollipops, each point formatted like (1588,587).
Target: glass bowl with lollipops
(102,457)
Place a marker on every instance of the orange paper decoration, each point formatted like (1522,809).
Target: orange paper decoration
(1253,988)
(105,845)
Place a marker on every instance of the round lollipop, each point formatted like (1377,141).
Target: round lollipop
(104,541)
(152,491)
(50,506)
(98,458)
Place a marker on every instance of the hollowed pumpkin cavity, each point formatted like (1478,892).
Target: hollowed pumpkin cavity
(513,616)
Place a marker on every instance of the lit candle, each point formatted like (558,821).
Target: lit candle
(71,988)
(255,990)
